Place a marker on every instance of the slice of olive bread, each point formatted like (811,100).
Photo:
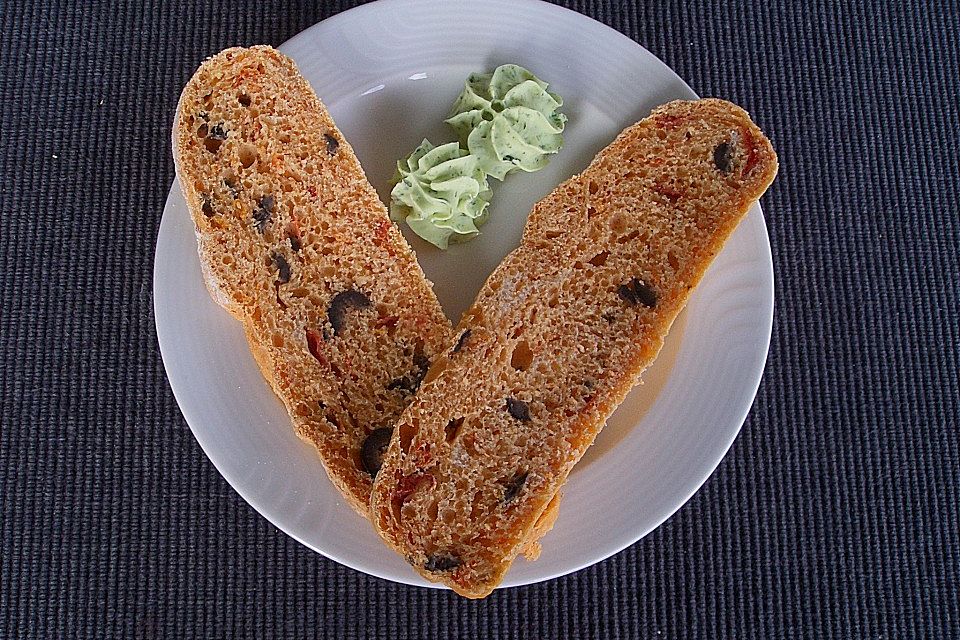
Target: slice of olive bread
(295,243)
(558,335)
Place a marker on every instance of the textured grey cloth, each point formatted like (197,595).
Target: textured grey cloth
(835,514)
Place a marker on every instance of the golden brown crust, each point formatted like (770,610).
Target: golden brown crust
(531,549)
(295,243)
(558,335)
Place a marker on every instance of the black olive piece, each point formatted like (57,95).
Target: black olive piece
(282,266)
(207,208)
(463,338)
(609,317)
(637,291)
(723,157)
(399,383)
(332,144)
(217,132)
(263,213)
(514,486)
(422,363)
(412,382)
(440,562)
(349,299)
(518,409)
(295,243)
(373,449)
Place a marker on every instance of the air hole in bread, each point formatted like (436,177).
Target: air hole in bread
(594,187)
(277,340)
(453,429)
(618,223)
(356,455)
(244,99)
(202,130)
(212,144)
(406,511)
(591,211)
(633,235)
(247,154)
(476,505)
(470,445)
(522,356)
(553,233)
(304,410)
(407,432)
(433,509)
(600,259)
(673,260)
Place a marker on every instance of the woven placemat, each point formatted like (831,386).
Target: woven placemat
(833,516)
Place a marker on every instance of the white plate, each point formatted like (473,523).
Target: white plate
(388,72)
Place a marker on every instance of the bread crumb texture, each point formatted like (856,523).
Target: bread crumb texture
(558,335)
(296,244)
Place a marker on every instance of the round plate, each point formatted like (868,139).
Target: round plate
(388,72)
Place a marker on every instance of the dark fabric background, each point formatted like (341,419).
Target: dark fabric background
(833,516)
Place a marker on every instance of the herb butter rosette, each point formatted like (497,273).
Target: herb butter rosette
(441,192)
(508,120)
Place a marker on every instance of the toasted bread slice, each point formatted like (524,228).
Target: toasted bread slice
(558,335)
(295,243)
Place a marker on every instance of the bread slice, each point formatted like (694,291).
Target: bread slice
(296,244)
(558,335)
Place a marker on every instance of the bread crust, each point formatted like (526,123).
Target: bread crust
(558,335)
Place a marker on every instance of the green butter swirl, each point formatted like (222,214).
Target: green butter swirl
(441,192)
(508,120)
